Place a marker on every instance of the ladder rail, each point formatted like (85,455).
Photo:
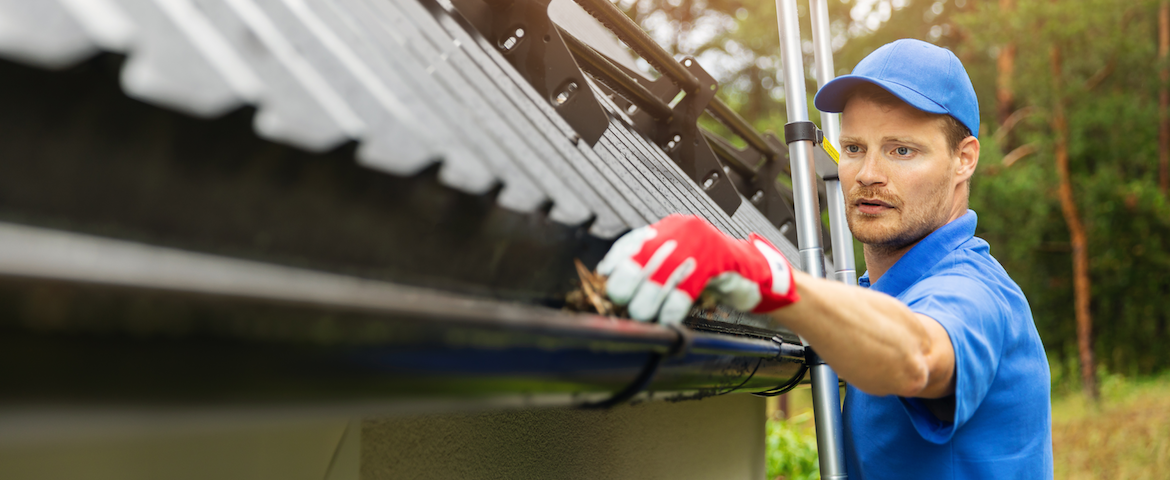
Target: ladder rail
(825,390)
(842,238)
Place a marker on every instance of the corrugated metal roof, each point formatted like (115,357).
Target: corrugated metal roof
(405,80)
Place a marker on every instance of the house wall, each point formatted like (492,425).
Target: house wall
(61,444)
(720,437)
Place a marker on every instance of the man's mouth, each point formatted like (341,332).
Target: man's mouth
(872,206)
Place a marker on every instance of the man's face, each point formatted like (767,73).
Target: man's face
(898,174)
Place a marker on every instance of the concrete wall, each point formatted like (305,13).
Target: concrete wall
(720,437)
(716,438)
(192,445)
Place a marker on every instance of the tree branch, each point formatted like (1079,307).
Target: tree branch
(1011,121)
(1101,75)
(1018,153)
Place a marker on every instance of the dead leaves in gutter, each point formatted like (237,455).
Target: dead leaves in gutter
(590,296)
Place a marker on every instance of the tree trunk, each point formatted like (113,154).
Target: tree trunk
(1076,230)
(1164,99)
(1005,68)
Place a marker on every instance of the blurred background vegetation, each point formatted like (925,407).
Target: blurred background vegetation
(1124,435)
(1109,87)
(1074,162)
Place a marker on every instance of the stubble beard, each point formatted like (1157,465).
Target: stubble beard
(913,222)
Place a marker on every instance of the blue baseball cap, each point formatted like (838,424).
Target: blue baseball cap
(928,77)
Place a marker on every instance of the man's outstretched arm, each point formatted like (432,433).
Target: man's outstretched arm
(872,340)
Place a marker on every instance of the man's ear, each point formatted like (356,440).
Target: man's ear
(968,159)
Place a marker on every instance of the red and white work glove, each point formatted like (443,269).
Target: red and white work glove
(660,269)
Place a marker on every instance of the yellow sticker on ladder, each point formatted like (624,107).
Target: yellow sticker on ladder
(832,152)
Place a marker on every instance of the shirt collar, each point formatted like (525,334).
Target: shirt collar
(923,256)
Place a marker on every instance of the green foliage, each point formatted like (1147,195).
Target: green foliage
(792,449)
(1129,235)
(1109,90)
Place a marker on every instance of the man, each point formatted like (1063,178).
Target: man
(947,376)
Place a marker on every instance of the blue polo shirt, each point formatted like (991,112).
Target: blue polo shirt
(1002,426)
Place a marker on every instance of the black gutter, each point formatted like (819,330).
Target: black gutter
(93,320)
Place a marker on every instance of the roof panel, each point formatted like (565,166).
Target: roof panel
(43,34)
(399,139)
(463,103)
(298,106)
(411,83)
(180,61)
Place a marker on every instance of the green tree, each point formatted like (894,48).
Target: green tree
(1107,78)
(1110,85)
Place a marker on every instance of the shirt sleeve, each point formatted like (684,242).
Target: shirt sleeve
(973,318)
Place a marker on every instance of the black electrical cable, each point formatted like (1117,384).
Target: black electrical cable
(786,387)
(744,382)
(640,383)
(680,348)
(792,382)
(780,390)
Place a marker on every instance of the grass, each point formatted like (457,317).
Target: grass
(1126,436)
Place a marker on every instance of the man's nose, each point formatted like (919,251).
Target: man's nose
(871,172)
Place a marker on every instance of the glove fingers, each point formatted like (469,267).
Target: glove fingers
(625,248)
(628,276)
(663,300)
(675,308)
(735,291)
(623,281)
(647,299)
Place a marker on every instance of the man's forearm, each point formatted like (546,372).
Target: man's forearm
(872,340)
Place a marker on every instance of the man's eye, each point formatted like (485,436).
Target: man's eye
(852,149)
(902,151)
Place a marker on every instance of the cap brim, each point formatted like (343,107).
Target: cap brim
(832,97)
